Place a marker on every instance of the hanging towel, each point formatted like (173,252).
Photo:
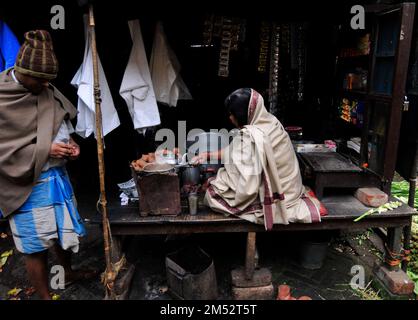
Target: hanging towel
(165,70)
(9,47)
(84,82)
(136,88)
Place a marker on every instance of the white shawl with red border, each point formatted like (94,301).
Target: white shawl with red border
(261,180)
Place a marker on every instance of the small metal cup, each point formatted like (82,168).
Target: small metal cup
(193,203)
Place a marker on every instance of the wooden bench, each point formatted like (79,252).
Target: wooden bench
(342,210)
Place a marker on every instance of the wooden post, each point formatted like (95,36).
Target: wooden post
(406,242)
(109,273)
(116,253)
(394,243)
(250,256)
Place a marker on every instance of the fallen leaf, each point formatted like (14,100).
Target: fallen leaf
(3,262)
(14,292)
(30,291)
(3,258)
(55,297)
(6,254)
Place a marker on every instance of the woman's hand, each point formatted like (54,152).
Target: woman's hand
(200,158)
(204,157)
(60,150)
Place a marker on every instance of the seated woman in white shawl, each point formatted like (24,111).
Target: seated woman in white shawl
(261,180)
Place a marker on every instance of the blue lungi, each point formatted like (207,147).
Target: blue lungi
(48,215)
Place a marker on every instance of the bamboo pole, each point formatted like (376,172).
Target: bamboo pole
(109,272)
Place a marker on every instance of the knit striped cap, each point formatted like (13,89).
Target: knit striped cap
(36,56)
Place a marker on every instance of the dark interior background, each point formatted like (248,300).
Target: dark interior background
(183,25)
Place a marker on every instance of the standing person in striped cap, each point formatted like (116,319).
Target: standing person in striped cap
(35,143)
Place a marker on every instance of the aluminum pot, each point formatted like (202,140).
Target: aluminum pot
(190,175)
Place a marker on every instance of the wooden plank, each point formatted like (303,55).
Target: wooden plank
(343,210)
(348,207)
(375,8)
(400,75)
(340,208)
(244,226)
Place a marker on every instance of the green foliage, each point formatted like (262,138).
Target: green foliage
(401,191)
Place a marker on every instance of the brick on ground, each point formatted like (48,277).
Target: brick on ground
(262,277)
(396,281)
(256,293)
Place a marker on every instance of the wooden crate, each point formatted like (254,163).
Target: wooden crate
(159,194)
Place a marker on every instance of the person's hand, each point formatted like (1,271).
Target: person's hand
(200,158)
(60,150)
(204,157)
(75,148)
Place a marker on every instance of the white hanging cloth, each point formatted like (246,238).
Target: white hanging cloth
(136,88)
(165,70)
(84,82)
